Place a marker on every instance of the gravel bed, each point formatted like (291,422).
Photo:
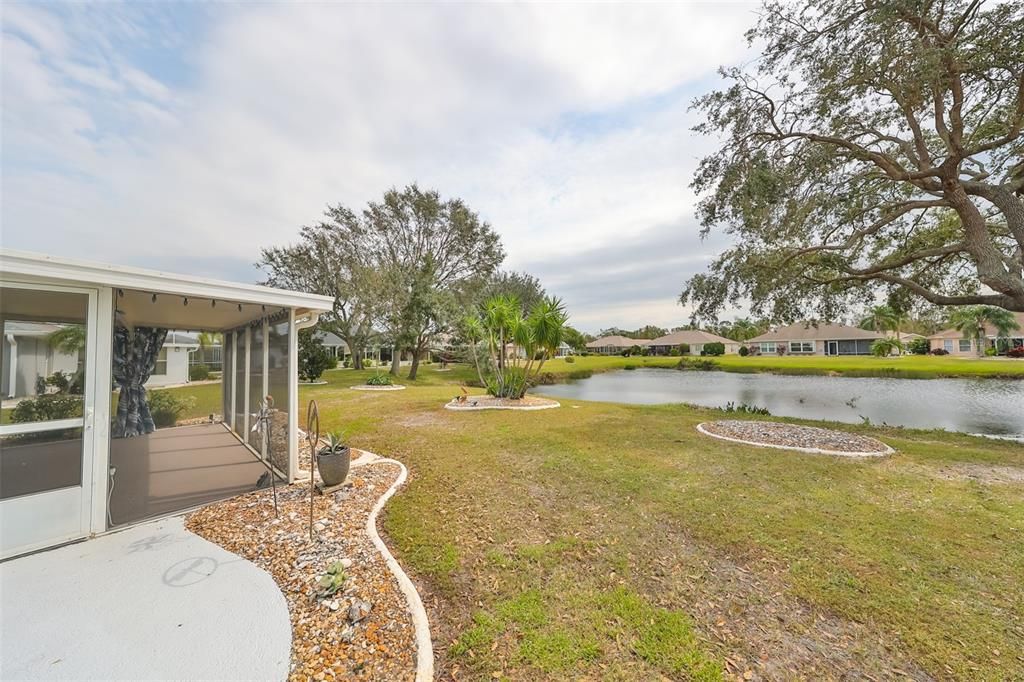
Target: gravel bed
(365,629)
(794,436)
(489,402)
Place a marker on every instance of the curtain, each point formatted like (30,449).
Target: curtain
(135,356)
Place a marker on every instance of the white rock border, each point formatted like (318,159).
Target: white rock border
(815,451)
(313,383)
(368,387)
(455,406)
(424,646)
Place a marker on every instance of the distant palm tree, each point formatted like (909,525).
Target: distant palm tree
(971,321)
(69,339)
(880,318)
(743,329)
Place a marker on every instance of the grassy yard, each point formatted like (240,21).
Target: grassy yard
(614,542)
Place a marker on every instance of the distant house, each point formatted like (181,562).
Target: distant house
(614,345)
(694,338)
(564,350)
(953,342)
(803,338)
(337,348)
(27,354)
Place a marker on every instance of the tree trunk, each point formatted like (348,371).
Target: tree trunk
(415,364)
(357,354)
(396,359)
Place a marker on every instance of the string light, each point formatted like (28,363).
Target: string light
(186,300)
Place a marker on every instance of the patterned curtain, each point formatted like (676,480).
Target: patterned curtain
(135,357)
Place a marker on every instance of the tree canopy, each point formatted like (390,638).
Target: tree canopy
(871,146)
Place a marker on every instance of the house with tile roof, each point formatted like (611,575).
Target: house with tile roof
(807,338)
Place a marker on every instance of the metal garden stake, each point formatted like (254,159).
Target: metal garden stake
(313,436)
(262,426)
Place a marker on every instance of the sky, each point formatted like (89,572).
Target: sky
(186,137)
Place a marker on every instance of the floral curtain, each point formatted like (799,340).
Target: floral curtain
(135,356)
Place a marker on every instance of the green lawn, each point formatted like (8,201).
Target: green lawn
(614,542)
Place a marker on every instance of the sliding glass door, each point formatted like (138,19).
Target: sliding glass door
(48,386)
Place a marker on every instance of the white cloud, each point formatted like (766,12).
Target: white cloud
(564,126)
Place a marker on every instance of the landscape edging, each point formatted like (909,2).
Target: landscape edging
(424,646)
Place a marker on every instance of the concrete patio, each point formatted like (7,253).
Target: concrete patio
(151,602)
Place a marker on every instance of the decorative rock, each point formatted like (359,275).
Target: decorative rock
(796,437)
(348,633)
(319,527)
(346,563)
(359,610)
(333,606)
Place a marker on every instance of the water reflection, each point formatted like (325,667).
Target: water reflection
(986,406)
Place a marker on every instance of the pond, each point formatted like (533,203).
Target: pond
(993,407)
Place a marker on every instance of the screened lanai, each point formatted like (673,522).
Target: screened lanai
(93,448)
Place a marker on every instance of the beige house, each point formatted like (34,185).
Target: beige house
(614,345)
(953,342)
(695,339)
(803,338)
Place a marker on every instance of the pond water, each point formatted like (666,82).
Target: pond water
(993,407)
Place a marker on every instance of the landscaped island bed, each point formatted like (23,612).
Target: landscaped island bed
(614,541)
(795,437)
(474,403)
(333,637)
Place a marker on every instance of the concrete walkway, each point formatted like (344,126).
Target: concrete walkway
(151,602)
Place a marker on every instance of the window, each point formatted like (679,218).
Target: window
(965,345)
(801,346)
(161,362)
(767,346)
(947,345)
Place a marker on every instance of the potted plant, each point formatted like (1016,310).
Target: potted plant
(332,460)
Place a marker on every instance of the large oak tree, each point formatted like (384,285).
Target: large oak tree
(873,145)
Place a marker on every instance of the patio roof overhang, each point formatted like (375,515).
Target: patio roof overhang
(154,298)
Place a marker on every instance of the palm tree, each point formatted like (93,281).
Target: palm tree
(880,318)
(743,329)
(69,339)
(971,321)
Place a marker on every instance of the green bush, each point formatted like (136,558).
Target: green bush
(313,357)
(570,359)
(545,379)
(991,352)
(630,367)
(684,349)
(347,362)
(379,379)
(166,407)
(332,362)
(714,348)
(884,347)
(581,374)
(198,373)
(744,351)
(367,363)
(47,408)
(919,346)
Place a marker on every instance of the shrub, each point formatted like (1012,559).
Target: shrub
(684,349)
(883,347)
(347,362)
(629,366)
(545,379)
(714,348)
(47,408)
(198,373)
(367,362)
(744,351)
(919,346)
(1017,352)
(698,364)
(379,379)
(570,359)
(991,352)
(939,351)
(313,357)
(332,362)
(673,352)
(508,383)
(166,407)
(581,374)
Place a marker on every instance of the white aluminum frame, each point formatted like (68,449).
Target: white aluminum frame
(52,517)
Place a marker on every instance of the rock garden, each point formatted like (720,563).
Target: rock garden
(795,437)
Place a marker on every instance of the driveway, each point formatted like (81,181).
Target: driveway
(151,602)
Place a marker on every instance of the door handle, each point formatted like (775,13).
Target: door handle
(88,418)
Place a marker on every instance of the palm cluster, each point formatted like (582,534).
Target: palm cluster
(515,345)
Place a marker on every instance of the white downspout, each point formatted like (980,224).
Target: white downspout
(13,368)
